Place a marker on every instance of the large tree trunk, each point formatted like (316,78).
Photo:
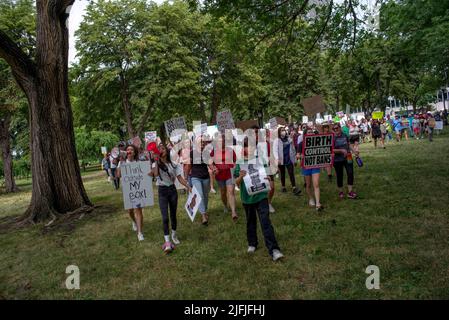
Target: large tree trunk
(57,187)
(5,149)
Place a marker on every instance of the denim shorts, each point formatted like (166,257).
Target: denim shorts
(224,183)
(309,172)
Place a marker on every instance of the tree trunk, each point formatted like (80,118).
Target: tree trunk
(57,187)
(5,150)
(126,105)
(215,104)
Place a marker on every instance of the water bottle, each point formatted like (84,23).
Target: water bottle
(359,161)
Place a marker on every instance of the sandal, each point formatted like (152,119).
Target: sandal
(234,217)
(319,208)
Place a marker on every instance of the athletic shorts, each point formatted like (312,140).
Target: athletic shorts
(309,172)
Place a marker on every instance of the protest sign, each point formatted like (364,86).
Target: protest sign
(317,151)
(200,129)
(313,105)
(305,119)
(150,136)
(212,130)
(115,152)
(358,116)
(246,124)
(193,203)
(137,185)
(255,179)
(377,115)
(438,125)
(135,141)
(225,121)
(175,127)
(340,114)
(328,118)
(277,121)
(104,150)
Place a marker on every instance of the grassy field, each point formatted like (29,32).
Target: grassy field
(400,223)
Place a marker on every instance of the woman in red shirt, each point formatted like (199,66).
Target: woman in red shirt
(223,160)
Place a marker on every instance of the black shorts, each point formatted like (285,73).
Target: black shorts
(353,139)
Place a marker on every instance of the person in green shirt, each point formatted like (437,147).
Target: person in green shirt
(255,205)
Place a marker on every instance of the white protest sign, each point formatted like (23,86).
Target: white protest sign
(438,125)
(175,128)
(115,152)
(200,129)
(255,179)
(193,203)
(273,123)
(305,119)
(137,185)
(150,136)
(225,121)
(328,117)
(104,150)
(212,130)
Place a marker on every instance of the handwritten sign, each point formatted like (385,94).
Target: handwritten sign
(193,203)
(175,127)
(438,125)
(317,151)
(305,119)
(313,105)
(150,136)
(104,150)
(137,185)
(255,179)
(225,121)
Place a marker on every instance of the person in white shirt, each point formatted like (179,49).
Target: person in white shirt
(136,214)
(166,173)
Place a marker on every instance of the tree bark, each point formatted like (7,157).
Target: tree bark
(57,187)
(215,103)
(127,105)
(5,148)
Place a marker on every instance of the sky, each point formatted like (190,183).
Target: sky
(75,18)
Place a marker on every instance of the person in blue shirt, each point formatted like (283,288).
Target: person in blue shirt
(397,127)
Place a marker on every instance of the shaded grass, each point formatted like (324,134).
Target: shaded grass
(400,223)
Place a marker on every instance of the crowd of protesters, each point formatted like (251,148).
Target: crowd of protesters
(202,161)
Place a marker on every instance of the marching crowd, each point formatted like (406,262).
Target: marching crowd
(200,162)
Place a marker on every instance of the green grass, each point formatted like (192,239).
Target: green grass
(400,223)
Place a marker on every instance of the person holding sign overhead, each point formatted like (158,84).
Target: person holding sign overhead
(166,173)
(256,204)
(136,215)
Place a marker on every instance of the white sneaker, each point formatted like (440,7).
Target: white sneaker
(213,191)
(251,249)
(175,239)
(237,188)
(140,236)
(277,255)
(271,209)
(312,203)
(134,226)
